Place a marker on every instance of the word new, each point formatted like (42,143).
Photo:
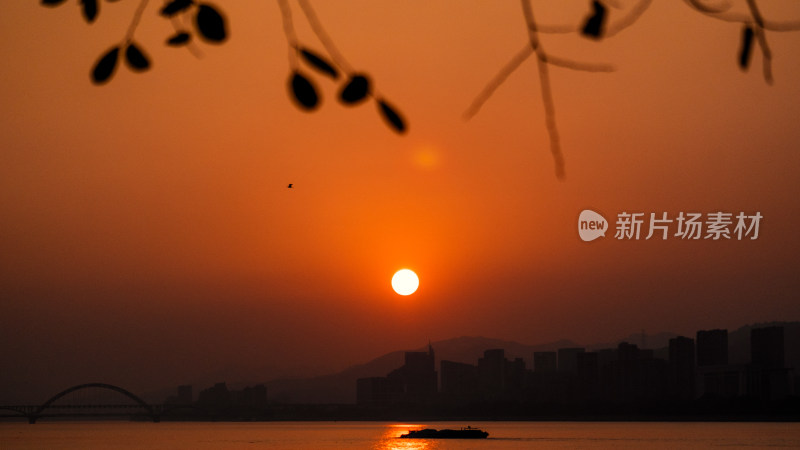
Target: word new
(591,225)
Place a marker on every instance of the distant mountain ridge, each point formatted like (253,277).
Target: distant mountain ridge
(341,387)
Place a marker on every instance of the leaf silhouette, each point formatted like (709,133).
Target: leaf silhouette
(174,7)
(136,59)
(392,116)
(355,91)
(593,27)
(303,92)
(89,10)
(105,66)
(52,3)
(210,24)
(747,47)
(319,63)
(179,38)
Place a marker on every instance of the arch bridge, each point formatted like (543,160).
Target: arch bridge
(51,409)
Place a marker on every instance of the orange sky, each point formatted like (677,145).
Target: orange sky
(148,220)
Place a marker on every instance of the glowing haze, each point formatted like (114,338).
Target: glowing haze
(148,237)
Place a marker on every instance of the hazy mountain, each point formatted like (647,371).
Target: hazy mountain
(341,387)
(654,341)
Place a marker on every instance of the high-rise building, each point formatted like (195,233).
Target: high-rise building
(492,372)
(419,376)
(627,352)
(766,347)
(255,396)
(217,395)
(568,359)
(636,375)
(768,379)
(515,376)
(459,379)
(588,370)
(682,369)
(712,348)
(416,381)
(545,362)
(588,365)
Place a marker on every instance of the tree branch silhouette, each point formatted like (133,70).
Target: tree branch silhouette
(754,25)
(722,13)
(498,80)
(289,31)
(210,25)
(358,85)
(762,40)
(629,19)
(515,62)
(547,92)
(594,27)
(137,17)
(182,36)
(709,9)
(326,41)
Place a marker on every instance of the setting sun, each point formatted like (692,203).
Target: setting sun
(405,282)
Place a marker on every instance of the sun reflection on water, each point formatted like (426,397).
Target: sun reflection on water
(391,439)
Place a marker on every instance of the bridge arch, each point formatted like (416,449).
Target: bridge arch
(19,409)
(122,391)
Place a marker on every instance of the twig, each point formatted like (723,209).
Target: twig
(288,30)
(533,36)
(533,46)
(137,16)
(577,65)
(550,118)
(628,20)
(547,92)
(708,9)
(769,25)
(191,46)
(514,63)
(495,82)
(766,54)
(327,42)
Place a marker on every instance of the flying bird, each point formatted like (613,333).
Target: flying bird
(290,185)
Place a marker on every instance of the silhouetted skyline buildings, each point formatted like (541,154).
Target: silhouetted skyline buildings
(565,380)
(414,382)
(690,378)
(694,370)
(219,396)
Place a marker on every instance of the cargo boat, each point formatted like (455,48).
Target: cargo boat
(430,433)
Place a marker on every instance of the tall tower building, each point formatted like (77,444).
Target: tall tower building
(766,347)
(712,348)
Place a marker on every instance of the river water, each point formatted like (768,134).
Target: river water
(384,436)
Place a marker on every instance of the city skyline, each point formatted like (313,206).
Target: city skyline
(462,352)
(148,232)
(599,381)
(695,378)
